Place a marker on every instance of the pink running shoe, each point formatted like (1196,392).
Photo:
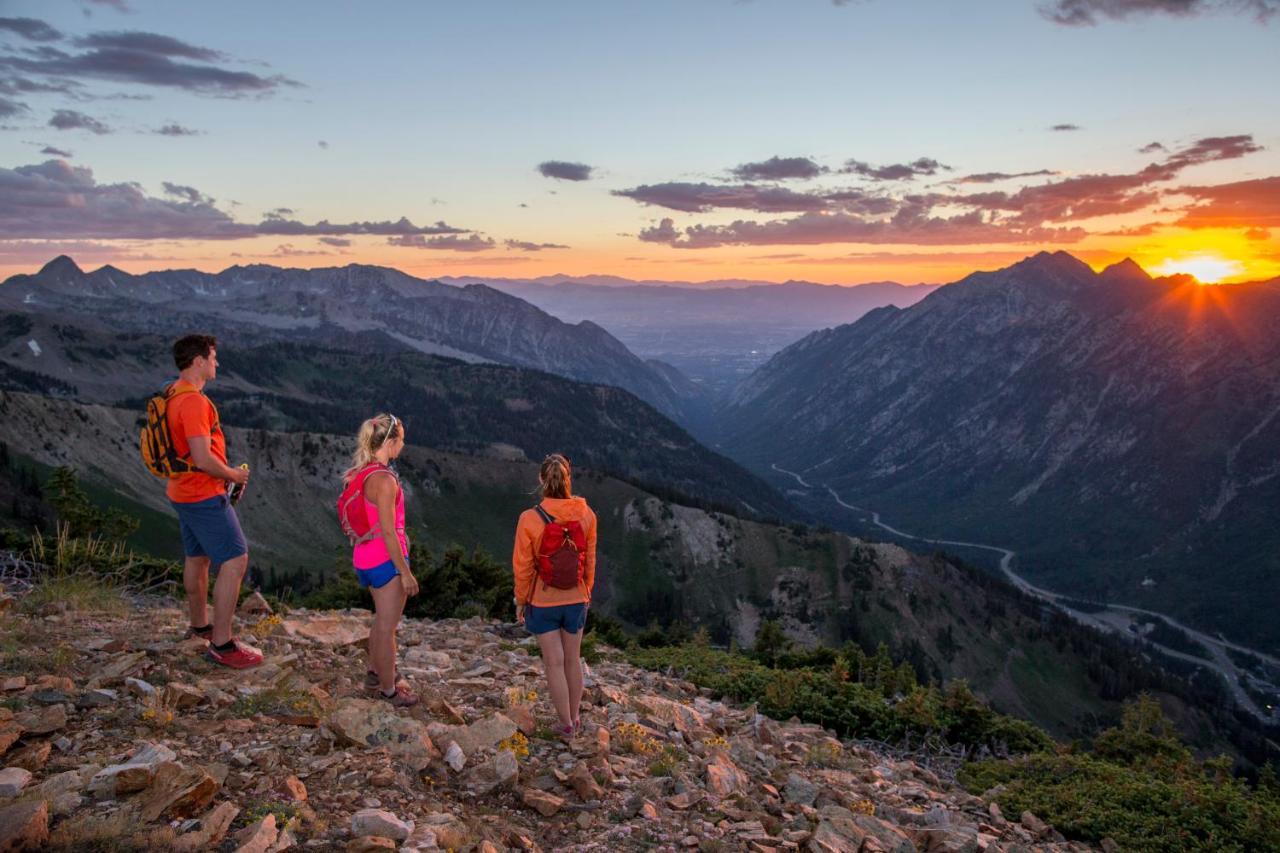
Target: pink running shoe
(241,656)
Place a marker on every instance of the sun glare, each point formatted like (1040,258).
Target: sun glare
(1208,269)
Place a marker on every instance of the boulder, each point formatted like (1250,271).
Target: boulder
(258,837)
(800,791)
(43,721)
(329,630)
(12,781)
(545,803)
(255,605)
(213,827)
(376,724)
(133,775)
(381,823)
(482,734)
(178,791)
(24,825)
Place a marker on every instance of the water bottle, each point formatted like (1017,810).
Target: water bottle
(236,490)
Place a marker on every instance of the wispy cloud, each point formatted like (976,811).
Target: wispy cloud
(175,130)
(75,120)
(30,29)
(698,198)
(1065,128)
(451,242)
(565,171)
(1090,12)
(9,109)
(923,167)
(55,152)
(996,177)
(778,169)
(1256,203)
(526,246)
(57,200)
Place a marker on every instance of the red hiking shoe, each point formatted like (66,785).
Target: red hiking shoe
(242,656)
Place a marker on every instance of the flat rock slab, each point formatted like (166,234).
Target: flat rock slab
(374,724)
(329,630)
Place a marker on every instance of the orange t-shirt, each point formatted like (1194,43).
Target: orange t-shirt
(192,415)
(528,587)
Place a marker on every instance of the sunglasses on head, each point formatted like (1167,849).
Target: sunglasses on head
(391,427)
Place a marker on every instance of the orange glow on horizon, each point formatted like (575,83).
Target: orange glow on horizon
(1206,268)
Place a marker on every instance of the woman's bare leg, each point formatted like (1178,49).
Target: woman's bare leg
(553,664)
(388,606)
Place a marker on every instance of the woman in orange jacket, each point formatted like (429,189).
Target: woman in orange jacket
(554,563)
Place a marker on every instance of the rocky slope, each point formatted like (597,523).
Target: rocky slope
(1118,431)
(251,305)
(116,732)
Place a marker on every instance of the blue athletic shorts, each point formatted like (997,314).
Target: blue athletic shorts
(377,577)
(210,529)
(566,617)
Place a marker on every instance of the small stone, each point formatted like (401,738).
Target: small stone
(369,844)
(141,689)
(584,784)
(505,767)
(1034,825)
(546,804)
(182,696)
(454,758)
(255,605)
(177,792)
(65,805)
(43,721)
(800,791)
(381,823)
(12,781)
(133,775)
(649,811)
(687,800)
(213,827)
(293,789)
(602,740)
(100,697)
(16,682)
(259,837)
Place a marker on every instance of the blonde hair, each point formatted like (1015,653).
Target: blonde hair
(374,433)
(554,478)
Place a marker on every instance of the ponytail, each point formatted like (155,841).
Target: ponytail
(554,478)
(373,433)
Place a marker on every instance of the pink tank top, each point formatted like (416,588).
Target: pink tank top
(368,555)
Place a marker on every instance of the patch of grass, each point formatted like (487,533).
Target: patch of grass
(283,811)
(277,701)
(668,761)
(79,590)
(117,833)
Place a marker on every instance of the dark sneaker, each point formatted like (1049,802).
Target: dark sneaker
(241,656)
(402,698)
(372,682)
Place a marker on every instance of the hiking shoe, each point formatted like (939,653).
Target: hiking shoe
(241,656)
(402,698)
(373,682)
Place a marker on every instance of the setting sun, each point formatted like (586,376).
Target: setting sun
(1208,269)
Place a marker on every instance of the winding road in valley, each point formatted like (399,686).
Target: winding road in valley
(1220,661)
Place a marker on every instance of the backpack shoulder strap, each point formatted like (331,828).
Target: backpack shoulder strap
(547,518)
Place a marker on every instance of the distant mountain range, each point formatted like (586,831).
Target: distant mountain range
(1120,432)
(714,332)
(250,305)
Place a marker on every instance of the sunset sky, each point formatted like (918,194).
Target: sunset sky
(839,142)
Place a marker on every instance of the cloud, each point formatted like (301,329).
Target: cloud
(778,169)
(995,177)
(9,109)
(340,242)
(1061,128)
(118,5)
(148,59)
(818,228)
(186,193)
(565,171)
(56,200)
(153,43)
(175,130)
(1151,148)
(1254,203)
(1088,12)
(323,144)
(897,172)
(526,246)
(698,198)
(73,120)
(287,250)
(453,242)
(54,152)
(30,29)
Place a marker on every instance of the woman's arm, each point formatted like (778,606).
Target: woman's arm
(522,565)
(382,489)
(589,571)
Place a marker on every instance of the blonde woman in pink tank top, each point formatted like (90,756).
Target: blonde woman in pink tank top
(382,562)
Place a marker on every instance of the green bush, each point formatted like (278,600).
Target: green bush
(1140,787)
(851,708)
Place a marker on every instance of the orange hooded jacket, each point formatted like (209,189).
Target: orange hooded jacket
(528,588)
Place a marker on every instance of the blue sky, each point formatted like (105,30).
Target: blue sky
(442,112)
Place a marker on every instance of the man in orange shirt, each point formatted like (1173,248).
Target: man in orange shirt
(211,535)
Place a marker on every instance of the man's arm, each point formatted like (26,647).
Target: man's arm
(202,457)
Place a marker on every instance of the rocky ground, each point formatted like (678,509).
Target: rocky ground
(116,733)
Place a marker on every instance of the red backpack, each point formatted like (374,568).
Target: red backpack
(562,553)
(352,515)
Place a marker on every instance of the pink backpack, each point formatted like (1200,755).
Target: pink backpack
(352,515)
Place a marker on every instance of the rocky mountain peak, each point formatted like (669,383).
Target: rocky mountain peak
(137,740)
(1126,270)
(60,268)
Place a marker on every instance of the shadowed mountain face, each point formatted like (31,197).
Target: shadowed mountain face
(715,333)
(1111,427)
(251,305)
